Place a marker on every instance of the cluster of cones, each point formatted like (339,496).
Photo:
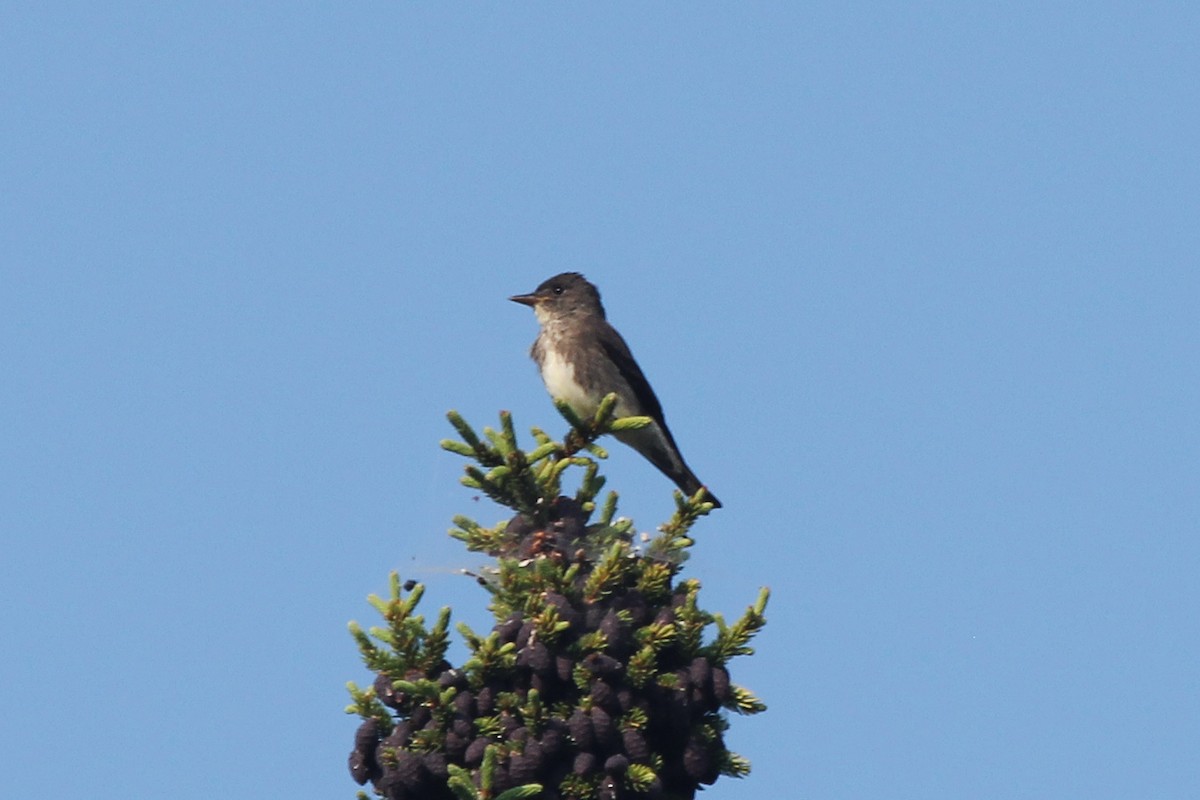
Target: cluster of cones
(565,711)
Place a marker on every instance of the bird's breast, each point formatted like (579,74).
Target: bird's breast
(559,376)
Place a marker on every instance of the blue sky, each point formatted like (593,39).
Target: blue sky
(916,284)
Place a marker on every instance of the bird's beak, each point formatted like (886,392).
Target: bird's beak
(530,300)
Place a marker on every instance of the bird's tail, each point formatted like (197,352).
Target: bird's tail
(661,451)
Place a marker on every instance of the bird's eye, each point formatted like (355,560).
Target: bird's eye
(558,290)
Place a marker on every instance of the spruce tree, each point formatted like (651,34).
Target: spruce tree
(602,679)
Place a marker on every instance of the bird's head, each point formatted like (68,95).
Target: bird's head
(563,296)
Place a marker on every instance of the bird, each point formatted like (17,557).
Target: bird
(582,359)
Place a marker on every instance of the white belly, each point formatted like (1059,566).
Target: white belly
(559,377)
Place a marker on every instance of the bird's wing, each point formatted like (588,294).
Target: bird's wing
(618,351)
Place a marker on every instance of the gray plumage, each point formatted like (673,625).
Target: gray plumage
(582,358)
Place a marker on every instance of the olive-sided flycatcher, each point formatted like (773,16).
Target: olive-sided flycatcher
(582,358)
